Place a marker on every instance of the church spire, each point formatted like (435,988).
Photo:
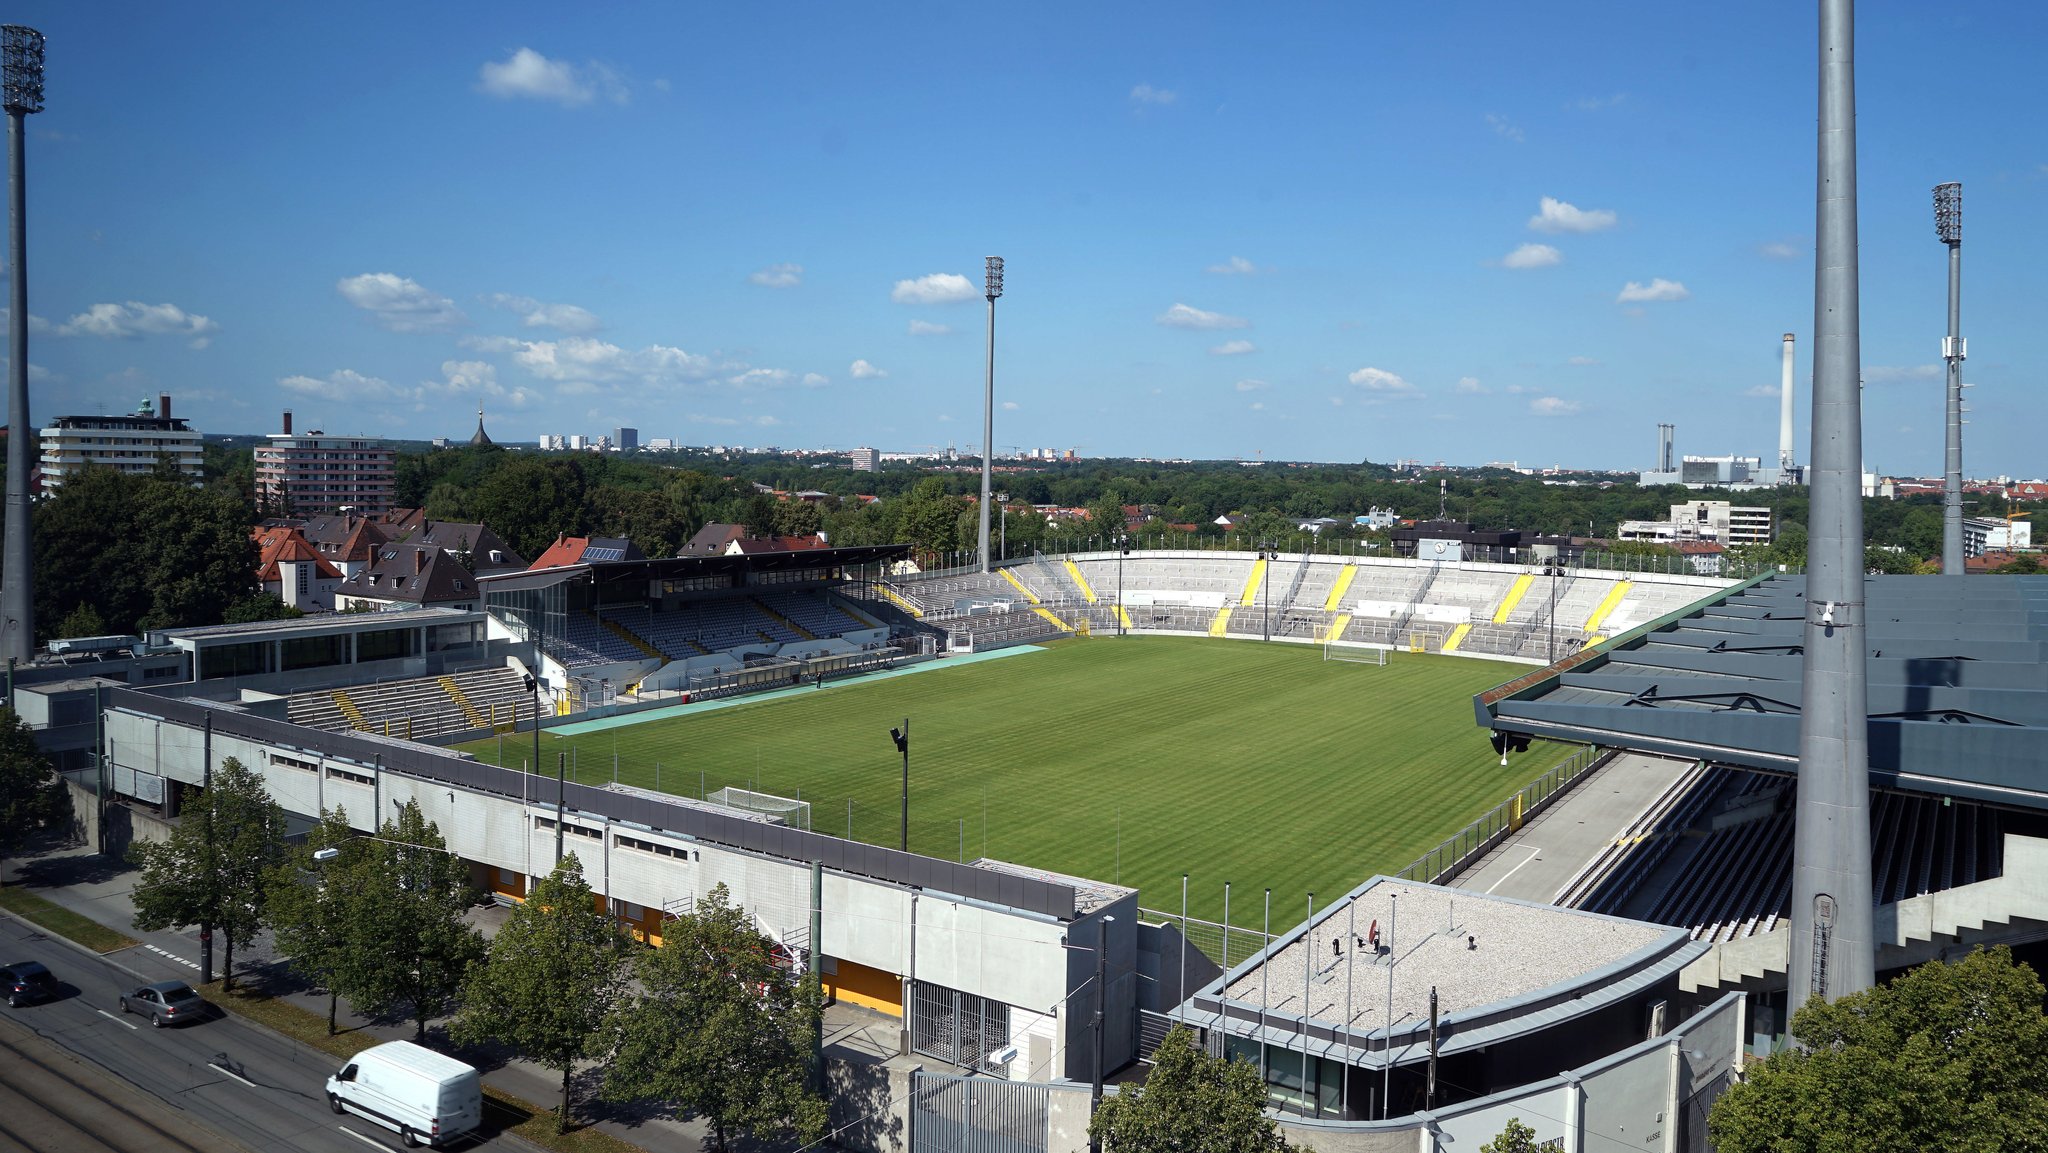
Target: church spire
(481,437)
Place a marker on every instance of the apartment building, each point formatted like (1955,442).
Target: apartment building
(130,444)
(311,473)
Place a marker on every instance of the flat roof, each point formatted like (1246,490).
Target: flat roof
(322,624)
(1957,692)
(1088,895)
(630,572)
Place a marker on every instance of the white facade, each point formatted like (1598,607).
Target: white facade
(1982,534)
(129,444)
(1714,520)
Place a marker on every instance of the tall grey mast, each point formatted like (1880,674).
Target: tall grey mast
(21,90)
(1833,952)
(1948,223)
(992,288)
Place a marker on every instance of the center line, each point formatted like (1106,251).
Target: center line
(114,1019)
(1511,872)
(372,1142)
(230,1072)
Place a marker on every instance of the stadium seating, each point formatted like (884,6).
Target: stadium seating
(420,707)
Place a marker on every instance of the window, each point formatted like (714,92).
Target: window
(337,773)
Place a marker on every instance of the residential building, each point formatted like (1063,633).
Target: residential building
(1705,520)
(1986,534)
(484,551)
(132,444)
(318,473)
(865,459)
(626,439)
(292,570)
(410,576)
(553,442)
(734,540)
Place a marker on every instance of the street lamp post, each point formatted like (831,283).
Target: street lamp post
(902,738)
(1948,224)
(21,91)
(1553,569)
(1268,552)
(1003,525)
(992,288)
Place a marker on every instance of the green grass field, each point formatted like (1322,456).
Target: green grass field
(1131,760)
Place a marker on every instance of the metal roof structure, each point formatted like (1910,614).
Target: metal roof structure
(631,573)
(1958,685)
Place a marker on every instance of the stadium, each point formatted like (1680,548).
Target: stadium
(1161,755)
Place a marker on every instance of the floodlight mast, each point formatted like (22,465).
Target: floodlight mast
(1948,224)
(21,92)
(1833,950)
(992,287)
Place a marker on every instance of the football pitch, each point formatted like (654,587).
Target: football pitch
(1130,760)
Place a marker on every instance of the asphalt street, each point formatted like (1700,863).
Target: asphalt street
(240,1081)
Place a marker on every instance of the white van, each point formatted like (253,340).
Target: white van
(425,1096)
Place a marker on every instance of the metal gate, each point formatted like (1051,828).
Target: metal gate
(957,1028)
(950,1114)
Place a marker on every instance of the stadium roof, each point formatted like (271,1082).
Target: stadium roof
(1957,697)
(614,572)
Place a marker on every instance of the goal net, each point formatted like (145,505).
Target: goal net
(795,814)
(1356,654)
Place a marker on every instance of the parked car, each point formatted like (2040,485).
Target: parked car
(165,1003)
(427,1097)
(26,982)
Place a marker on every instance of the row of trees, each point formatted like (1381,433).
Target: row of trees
(706,1024)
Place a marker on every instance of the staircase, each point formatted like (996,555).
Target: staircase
(1337,591)
(1608,604)
(1081,582)
(1516,592)
(1221,625)
(1294,586)
(348,709)
(899,600)
(1337,627)
(1251,586)
(784,621)
(476,719)
(632,638)
(1013,579)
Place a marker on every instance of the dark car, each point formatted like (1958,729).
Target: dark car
(164,1003)
(26,982)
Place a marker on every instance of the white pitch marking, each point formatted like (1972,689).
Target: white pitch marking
(114,1019)
(217,1066)
(372,1142)
(1533,854)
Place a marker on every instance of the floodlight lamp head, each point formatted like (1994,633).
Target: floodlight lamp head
(21,68)
(993,277)
(1948,212)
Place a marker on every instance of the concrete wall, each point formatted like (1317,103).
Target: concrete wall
(870,1104)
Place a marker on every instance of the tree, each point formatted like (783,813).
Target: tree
(84,621)
(31,793)
(410,909)
(261,607)
(1945,1057)
(720,1030)
(313,907)
(211,871)
(1189,1093)
(1516,1138)
(553,974)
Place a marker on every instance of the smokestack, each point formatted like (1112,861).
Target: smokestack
(1833,948)
(163,405)
(1785,417)
(287,422)
(1665,434)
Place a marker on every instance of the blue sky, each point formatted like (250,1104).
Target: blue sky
(1459,231)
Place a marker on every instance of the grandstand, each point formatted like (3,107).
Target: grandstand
(1479,608)
(419,708)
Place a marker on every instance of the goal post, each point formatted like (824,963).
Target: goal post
(1425,640)
(1354,653)
(796,814)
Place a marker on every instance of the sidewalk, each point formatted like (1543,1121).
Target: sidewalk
(101,889)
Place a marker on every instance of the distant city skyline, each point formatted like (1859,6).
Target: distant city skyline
(1463,232)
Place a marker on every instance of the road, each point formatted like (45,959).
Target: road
(239,1081)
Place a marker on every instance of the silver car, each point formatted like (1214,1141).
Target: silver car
(164,1003)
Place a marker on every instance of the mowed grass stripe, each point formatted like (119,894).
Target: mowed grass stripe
(1128,759)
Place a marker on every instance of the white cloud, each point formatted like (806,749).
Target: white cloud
(398,303)
(540,314)
(1658,289)
(135,320)
(1781,250)
(761,378)
(526,74)
(581,363)
(1532,256)
(1552,406)
(1895,373)
(1517,389)
(1470,386)
(1185,316)
(778,276)
(1011,406)
(1233,348)
(1581,361)
(478,379)
(35,323)
(927,328)
(937,288)
(1596,103)
(1258,406)
(347,386)
(1235,266)
(1504,128)
(1382,382)
(862,370)
(1252,386)
(816,380)
(1145,94)
(1555,215)
(1761,390)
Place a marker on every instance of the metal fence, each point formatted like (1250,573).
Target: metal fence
(951,1114)
(1226,945)
(1449,858)
(958,1028)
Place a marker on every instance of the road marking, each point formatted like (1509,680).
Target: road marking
(372,1142)
(230,1072)
(1511,872)
(170,955)
(114,1019)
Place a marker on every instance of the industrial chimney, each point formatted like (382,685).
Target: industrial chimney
(163,406)
(287,422)
(1785,465)
(1665,461)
